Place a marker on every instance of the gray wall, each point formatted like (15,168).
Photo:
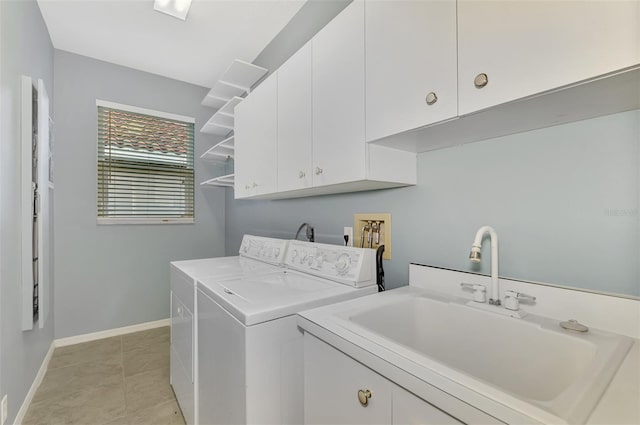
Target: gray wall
(110,276)
(563,200)
(310,19)
(25,50)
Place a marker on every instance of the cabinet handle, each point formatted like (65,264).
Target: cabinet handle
(363,397)
(431,98)
(246,186)
(481,80)
(301,174)
(318,171)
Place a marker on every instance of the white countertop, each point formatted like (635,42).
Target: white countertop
(620,403)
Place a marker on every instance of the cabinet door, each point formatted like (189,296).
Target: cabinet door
(410,52)
(331,384)
(338,99)
(411,410)
(526,47)
(256,134)
(294,121)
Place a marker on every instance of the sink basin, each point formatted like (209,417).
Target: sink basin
(531,359)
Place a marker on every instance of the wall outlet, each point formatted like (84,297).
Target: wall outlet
(378,233)
(348,233)
(4,410)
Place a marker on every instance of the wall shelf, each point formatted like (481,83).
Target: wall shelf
(237,80)
(228,108)
(221,181)
(221,151)
(225,95)
(220,124)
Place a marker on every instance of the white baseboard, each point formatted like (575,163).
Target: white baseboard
(34,386)
(61,342)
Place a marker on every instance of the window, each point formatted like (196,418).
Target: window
(145,166)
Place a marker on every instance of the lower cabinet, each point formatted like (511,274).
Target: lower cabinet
(411,410)
(340,390)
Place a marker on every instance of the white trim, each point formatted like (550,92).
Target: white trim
(62,342)
(34,386)
(145,111)
(143,220)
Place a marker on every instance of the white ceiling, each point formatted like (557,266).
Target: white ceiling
(131,33)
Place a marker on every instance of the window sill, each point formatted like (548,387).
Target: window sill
(144,220)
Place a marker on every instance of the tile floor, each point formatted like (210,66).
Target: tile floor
(122,380)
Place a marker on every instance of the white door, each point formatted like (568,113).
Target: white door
(332,382)
(338,99)
(294,121)
(256,132)
(527,47)
(411,64)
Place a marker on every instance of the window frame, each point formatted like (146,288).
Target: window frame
(142,220)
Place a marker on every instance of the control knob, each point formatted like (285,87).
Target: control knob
(342,263)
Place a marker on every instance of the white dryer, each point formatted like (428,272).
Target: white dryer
(249,345)
(257,255)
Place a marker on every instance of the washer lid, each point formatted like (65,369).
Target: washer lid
(259,298)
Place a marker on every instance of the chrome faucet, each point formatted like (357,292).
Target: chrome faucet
(475,256)
(310,232)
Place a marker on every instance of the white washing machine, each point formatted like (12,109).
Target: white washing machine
(249,346)
(257,255)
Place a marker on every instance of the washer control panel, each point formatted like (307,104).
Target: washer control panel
(347,265)
(269,250)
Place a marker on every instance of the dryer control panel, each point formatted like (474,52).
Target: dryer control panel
(269,250)
(348,265)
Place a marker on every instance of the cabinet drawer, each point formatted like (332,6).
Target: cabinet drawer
(332,381)
(182,286)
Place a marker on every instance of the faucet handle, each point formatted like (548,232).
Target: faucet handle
(512,299)
(479,291)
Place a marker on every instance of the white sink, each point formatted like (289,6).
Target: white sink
(531,359)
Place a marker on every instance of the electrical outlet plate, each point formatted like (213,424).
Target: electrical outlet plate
(360,220)
(3,409)
(348,231)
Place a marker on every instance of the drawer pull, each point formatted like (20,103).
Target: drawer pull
(481,80)
(431,98)
(363,397)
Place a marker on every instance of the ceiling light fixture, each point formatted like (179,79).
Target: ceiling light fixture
(176,8)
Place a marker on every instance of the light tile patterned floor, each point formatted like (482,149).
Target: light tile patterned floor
(122,380)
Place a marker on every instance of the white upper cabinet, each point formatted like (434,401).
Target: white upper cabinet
(294,122)
(256,134)
(338,99)
(411,65)
(531,46)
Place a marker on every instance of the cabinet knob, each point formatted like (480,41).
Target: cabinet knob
(318,171)
(431,98)
(481,80)
(255,184)
(301,174)
(246,186)
(363,397)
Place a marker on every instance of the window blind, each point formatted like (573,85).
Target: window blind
(145,167)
